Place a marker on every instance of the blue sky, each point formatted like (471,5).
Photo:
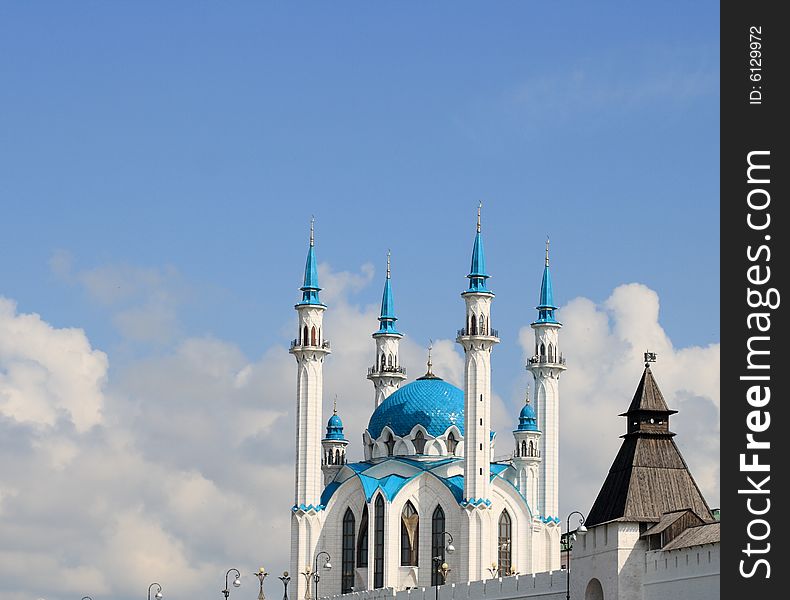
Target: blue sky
(160,163)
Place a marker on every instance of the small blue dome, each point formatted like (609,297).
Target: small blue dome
(334,428)
(528,420)
(428,401)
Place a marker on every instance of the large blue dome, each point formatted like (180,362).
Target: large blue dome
(428,401)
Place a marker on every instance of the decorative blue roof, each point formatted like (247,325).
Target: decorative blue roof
(528,420)
(334,428)
(387,317)
(477,273)
(428,401)
(546,305)
(310,288)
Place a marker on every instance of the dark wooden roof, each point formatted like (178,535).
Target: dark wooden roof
(648,477)
(709,533)
(648,397)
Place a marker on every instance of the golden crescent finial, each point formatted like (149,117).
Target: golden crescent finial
(312,230)
(547,251)
(388,263)
(334,407)
(430,364)
(479,207)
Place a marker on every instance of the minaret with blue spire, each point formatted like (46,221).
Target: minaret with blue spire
(526,458)
(334,446)
(386,373)
(477,338)
(546,366)
(309,348)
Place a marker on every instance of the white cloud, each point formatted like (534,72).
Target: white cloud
(603,345)
(181,465)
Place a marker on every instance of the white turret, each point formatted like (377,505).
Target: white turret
(477,338)
(386,373)
(526,457)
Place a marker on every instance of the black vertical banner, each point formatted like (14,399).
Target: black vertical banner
(755,109)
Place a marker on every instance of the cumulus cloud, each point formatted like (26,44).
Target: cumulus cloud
(175,467)
(603,344)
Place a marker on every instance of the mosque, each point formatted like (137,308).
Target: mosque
(428,484)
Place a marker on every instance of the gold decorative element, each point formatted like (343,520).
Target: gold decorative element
(312,230)
(547,251)
(388,263)
(479,206)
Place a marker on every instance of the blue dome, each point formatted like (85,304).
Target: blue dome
(527,420)
(428,401)
(334,428)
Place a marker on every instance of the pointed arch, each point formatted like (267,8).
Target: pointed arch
(409,536)
(473,328)
(419,442)
(378,543)
(531,448)
(337,457)
(543,350)
(482,322)
(504,545)
(389,360)
(452,443)
(524,447)
(390,443)
(362,540)
(312,336)
(347,567)
(437,541)
(305,336)
(383,361)
(551,352)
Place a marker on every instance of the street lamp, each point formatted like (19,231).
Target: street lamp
(439,565)
(236,582)
(285,578)
(261,575)
(316,576)
(158,594)
(581,530)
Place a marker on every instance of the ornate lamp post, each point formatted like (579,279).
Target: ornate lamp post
(236,582)
(439,565)
(316,576)
(261,575)
(158,594)
(285,578)
(581,530)
(307,573)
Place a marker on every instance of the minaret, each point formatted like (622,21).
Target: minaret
(546,365)
(526,458)
(309,349)
(334,447)
(477,338)
(386,372)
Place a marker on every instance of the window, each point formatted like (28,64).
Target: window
(452,443)
(524,448)
(419,442)
(312,336)
(378,544)
(473,331)
(482,325)
(362,542)
(542,350)
(305,336)
(347,573)
(409,535)
(389,361)
(437,543)
(390,443)
(503,545)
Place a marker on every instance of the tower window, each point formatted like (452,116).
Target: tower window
(347,571)
(390,443)
(378,550)
(481,470)
(362,542)
(481,422)
(437,541)
(504,553)
(419,442)
(305,336)
(312,336)
(452,443)
(481,446)
(473,330)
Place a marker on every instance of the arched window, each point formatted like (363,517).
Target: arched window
(437,542)
(312,336)
(378,544)
(531,448)
(452,443)
(328,458)
(473,330)
(524,447)
(390,443)
(362,542)
(551,353)
(482,325)
(319,336)
(542,350)
(419,442)
(347,572)
(305,336)
(503,544)
(337,457)
(383,361)
(409,536)
(389,361)
(594,590)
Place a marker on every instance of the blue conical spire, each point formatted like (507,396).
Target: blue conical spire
(477,273)
(387,317)
(310,288)
(546,306)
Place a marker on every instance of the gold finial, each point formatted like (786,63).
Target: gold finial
(312,230)
(547,251)
(334,407)
(479,207)
(388,263)
(430,364)
(527,401)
